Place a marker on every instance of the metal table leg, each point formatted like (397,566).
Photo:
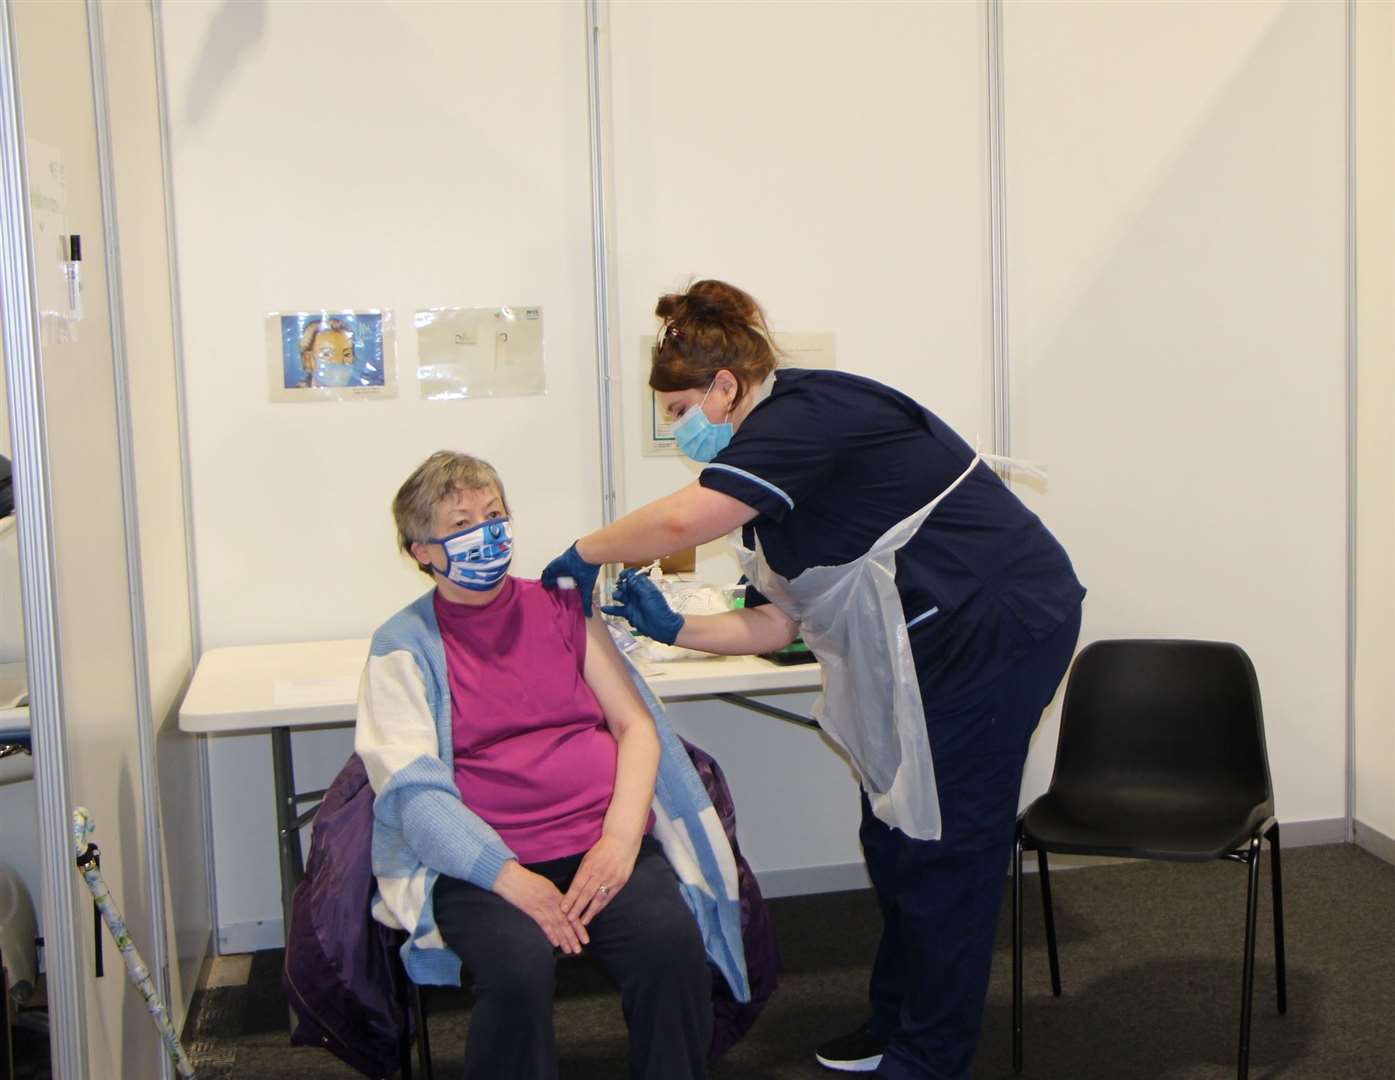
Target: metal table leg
(767,710)
(287,831)
(287,835)
(7,1060)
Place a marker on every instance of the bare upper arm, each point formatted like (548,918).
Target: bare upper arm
(609,679)
(708,515)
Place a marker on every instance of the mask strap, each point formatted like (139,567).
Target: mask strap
(730,407)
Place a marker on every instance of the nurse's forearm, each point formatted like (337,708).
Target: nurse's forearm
(738,633)
(690,516)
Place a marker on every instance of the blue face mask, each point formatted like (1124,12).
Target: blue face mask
(334,375)
(699,437)
(478,557)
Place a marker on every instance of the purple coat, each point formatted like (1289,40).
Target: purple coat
(343,975)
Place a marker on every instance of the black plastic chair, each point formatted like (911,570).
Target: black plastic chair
(1161,756)
(414,1005)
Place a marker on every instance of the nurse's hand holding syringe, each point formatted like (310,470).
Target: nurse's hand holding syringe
(734,633)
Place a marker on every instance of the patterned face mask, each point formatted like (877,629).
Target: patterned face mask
(478,557)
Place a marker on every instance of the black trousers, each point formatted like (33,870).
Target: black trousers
(940,899)
(647,941)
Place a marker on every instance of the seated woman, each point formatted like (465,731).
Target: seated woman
(514,763)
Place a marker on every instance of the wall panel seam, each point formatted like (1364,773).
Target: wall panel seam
(1351,416)
(600,239)
(997,211)
(158,948)
(34,529)
(186,456)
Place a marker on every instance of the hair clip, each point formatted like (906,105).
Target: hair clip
(666,331)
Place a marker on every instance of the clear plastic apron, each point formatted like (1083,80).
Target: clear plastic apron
(850,616)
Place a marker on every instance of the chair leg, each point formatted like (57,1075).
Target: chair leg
(1045,872)
(423,1038)
(1276,879)
(1248,982)
(407,1003)
(7,1060)
(1017,954)
(404,1061)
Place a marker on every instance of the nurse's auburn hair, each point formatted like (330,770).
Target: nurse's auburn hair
(710,327)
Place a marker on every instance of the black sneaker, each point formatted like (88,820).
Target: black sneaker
(857,1051)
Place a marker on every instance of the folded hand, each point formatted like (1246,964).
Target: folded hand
(542,902)
(603,872)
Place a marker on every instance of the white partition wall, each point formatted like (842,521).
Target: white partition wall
(1176,224)
(79,525)
(158,478)
(1374,797)
(399,157)
(832,160)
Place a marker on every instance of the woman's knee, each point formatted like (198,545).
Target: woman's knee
(663,922)
(666,947)
(523,977)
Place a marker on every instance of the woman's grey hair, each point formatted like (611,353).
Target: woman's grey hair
(443,473)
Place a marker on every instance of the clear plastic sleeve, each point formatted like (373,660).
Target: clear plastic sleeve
(480,352)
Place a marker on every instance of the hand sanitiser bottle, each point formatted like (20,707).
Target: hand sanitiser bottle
(72,275)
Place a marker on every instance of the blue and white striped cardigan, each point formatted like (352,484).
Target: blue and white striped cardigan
(422,829)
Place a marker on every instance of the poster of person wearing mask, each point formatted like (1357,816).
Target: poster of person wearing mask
(329,355)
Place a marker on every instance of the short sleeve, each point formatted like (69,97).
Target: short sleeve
(755,598)
(564,605)
(785,451)
(574,625)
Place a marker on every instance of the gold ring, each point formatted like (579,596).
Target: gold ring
(603,889)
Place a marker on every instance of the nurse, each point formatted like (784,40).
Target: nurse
(943,612)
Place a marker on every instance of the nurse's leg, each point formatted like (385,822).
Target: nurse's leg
(948,907)
(514,971)
(881,848)
(950,891)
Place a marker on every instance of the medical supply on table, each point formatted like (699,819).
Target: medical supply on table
(680,594)
(639,600)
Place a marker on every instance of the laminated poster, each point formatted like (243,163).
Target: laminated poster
(331,355)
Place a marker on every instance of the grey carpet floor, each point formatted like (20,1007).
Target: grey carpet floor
(1151,966)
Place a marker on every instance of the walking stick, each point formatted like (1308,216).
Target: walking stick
(139,974)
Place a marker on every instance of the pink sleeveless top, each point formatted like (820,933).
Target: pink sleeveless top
(533,755)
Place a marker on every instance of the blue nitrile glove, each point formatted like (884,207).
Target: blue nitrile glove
(582,574)
(639,600)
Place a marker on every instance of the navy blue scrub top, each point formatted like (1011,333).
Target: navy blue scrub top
(830,461)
